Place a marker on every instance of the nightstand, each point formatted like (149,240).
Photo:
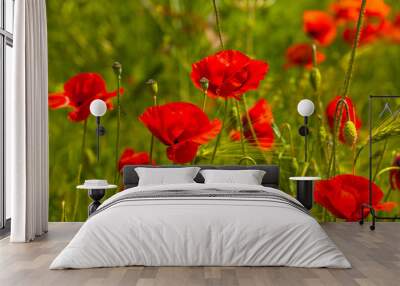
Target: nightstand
(96,193)
(305,189)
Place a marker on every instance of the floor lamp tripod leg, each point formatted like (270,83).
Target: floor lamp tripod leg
(372,226)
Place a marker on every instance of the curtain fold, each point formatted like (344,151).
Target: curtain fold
(27,124)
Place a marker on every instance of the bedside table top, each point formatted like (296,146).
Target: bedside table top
(305,178)
(86,187)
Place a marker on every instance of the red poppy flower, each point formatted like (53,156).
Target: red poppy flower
(348,10)
(230,74)
(301,55)
(391,31)
(79,92)
(394,175)
(234,135)
(261,118)
(369,33)
(395,33)
(320,26)
(343,196)
(330,114)
(130,157)
(182,126)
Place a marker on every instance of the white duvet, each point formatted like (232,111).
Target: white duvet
(200,231)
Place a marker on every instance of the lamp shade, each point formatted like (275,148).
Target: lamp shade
(98,107)
(305,107)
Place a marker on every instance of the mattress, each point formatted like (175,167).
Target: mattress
(201,225)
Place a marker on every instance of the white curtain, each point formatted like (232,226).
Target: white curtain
(27,124)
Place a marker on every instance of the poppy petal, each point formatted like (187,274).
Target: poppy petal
(130,157)
(213,129)
(344,194)
(320,26)
(348,10)
(80,91)
(385,207)
(261,118)
(180,124)
(234,135)
(230,73)
(58,100)
(301,55)
(183,152)
(330,114)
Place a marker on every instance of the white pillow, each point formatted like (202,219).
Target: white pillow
(248,177)
(166,176)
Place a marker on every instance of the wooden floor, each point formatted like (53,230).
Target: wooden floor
(375,257)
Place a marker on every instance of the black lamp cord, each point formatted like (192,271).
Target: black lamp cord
(98,137)
(305,139)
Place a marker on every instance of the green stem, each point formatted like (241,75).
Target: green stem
(314,55)
(250,19)
(347,80)
(151,147)
(387,196)
(247,158)
(239,119)
(63,211)
(204,100)
(218,23)
(336,126)
(195,159)
(118,130)
(349,72)
(253,132)
(378,164)
(358,152)
(305,169)
(353,166)
(325,214)
(286,126)
(83,145)
(220,132)
(387,170)
(80,169)
(152,136)
(320,115)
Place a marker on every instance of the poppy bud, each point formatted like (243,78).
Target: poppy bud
(204,83)
(350,133)
(154,85)
(117,67)
(315,78)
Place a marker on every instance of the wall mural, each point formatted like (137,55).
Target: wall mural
(218,82)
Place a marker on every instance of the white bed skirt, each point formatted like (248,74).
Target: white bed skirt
(200,232)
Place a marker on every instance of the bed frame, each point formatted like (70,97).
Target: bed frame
(271,177)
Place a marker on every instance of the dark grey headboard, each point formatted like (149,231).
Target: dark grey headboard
(271,177)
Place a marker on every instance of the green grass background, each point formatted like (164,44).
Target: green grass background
(160,40)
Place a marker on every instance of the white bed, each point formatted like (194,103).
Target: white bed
(185,230)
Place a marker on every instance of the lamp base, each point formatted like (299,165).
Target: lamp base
(96,195)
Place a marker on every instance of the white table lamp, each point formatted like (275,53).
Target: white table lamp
(98,108)
(305,108)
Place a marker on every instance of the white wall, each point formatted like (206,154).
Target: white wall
(8,86)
